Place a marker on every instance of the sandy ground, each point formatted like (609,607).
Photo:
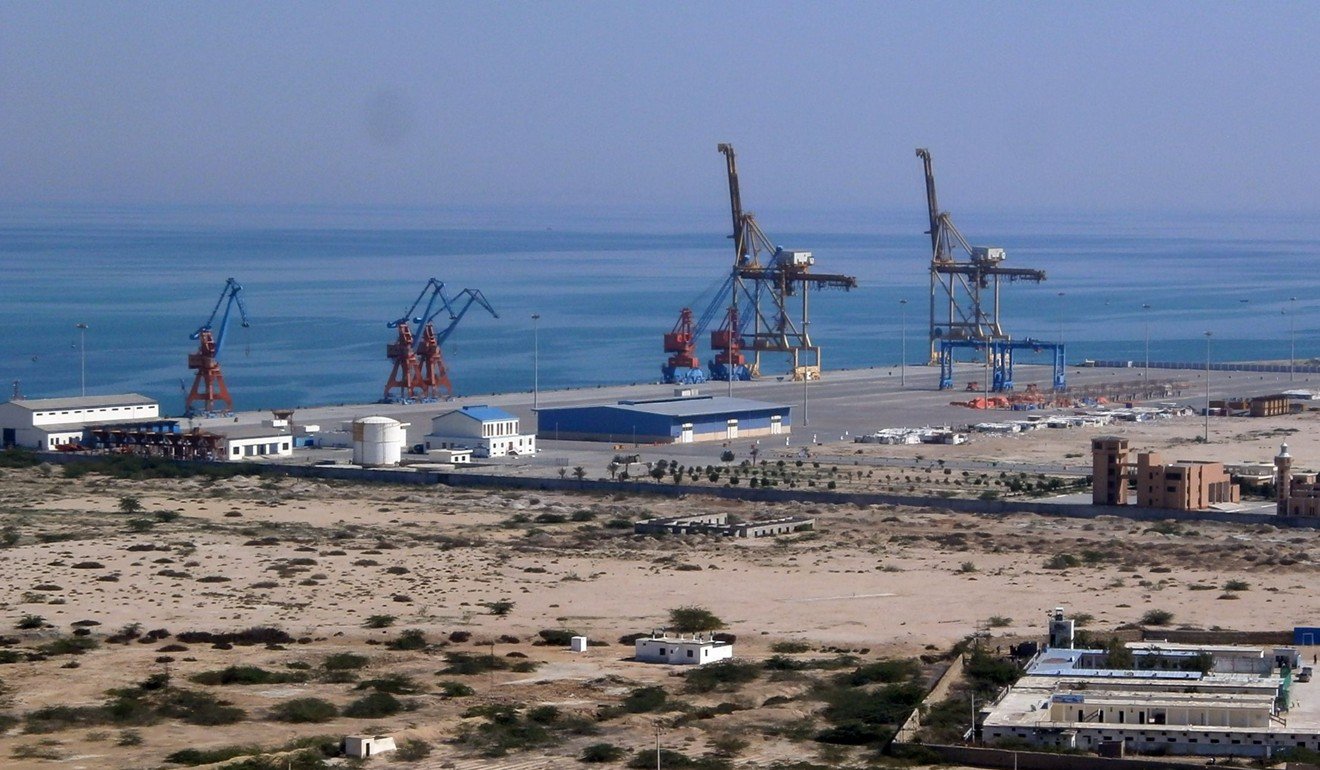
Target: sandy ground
(317,559)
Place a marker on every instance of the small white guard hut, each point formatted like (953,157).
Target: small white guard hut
(367,745)
(681,650)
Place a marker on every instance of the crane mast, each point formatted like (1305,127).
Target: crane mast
(419,371)
(209,390)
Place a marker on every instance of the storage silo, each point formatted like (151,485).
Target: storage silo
(377,441)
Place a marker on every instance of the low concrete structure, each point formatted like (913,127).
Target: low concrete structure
(718,524)
(681,650)
(362,746)
(252,442)
(48,423)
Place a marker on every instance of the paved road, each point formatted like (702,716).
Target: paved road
(845,403)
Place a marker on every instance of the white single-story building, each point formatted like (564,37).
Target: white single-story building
(486,430)
(247,442)
(46,423)
(454,456)
(681,650)
(363,746)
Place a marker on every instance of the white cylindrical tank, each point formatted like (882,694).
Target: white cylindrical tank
(377,441)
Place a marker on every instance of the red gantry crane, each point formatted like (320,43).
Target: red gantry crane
(419,372)
(208,389)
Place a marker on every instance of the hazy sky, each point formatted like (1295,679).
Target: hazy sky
(1114,105)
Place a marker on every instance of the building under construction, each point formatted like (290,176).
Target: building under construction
(965,300)
(767,310)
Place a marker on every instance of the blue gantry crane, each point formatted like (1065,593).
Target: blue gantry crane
(208,389)
(419,372)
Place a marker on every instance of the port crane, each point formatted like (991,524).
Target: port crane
(208,389)
(965,296)
(419,371)
(761,316)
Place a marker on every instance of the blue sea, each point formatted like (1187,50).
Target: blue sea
(320,284)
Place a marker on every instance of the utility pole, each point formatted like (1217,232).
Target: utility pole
(657,744)
(1207,388)
(1292,337)
(536,359)
(82,354)
(1145,316)
(902,362)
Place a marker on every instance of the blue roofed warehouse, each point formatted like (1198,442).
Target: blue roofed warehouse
(680,420)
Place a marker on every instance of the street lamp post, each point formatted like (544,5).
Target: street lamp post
(902,363)
(1145,317)
(82,355)
(1292,337)
(1206,437)
(536,360)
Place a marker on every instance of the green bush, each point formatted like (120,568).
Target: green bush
(379,621)
(455,690)
(397,684)
(644,699)
(884,671)
(790,646)
(1062,561)
(345,661)
(1157,618)
(374,706)
(556,637)
(199,708)
(675,760)
(412,639)
(412,750)
(304,710)
(728,674)
(601,752)
(246,675)
(469,663)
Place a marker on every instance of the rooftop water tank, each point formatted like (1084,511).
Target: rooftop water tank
(377,441)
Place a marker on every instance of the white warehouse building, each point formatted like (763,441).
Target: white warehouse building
(46,423)
(488,431)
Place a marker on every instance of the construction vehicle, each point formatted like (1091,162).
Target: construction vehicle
(760,318)
(419,372)
(965,296)
(209,395)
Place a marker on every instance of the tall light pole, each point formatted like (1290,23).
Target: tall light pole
(536,359)
(1292,337)
(82,354)
(902,363)
(1206,437)
(1145,319)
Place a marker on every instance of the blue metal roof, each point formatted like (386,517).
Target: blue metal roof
(696,407)
(486,413)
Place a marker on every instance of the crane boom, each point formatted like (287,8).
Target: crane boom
(741,248)
(419,369)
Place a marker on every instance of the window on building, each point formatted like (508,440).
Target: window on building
(689,652)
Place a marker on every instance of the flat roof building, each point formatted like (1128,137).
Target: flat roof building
(47,423)
(679,419)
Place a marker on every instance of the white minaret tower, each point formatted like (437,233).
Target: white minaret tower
(1282,478)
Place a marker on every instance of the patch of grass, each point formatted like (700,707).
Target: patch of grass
(379,621)
(412,639)
(790,646)
(1237,585)
(644,699)
(455,690)
(884,671)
